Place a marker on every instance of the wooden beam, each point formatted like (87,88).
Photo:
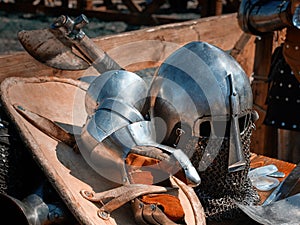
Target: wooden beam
(264,138)
(141,49)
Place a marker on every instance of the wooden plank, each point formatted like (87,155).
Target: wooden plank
(142,48)
(243,51)
(153,6)
(132,6)
(264,138)
(63,100)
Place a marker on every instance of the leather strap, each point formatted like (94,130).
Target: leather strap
(117,197)
(170,204)
(146,214)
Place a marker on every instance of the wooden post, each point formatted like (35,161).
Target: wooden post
(264,138)
(219,7)
(208,8)
(81,4)
(89,5)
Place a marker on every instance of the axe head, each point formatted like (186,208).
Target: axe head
(51,47)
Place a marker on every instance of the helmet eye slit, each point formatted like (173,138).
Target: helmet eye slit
(205,129)
(221,128)
(218,128)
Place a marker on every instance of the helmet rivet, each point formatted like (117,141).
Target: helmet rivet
(153,207)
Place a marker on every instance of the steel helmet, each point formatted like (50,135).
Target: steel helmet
(201,102)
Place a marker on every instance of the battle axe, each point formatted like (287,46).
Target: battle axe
(65,46)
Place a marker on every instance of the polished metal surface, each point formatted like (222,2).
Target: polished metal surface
(42,207)
(285,211)
(114,100)
(73,28)
(200,85)
(285,187)
(116,123)
(296,17)
(201,102)
(256,16)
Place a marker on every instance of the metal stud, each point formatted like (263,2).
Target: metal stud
(287,46)
(141,205)
(103,214)
(153,207)
(289,85)
(283,124)
(296,47)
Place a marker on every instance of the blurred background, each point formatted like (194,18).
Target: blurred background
(106,16)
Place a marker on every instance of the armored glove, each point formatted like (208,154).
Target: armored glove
(119,143)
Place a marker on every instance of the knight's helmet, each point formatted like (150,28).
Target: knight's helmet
(201,102)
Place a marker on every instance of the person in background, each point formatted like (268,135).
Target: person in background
(258,17)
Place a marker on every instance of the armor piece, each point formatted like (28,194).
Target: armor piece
(256,16)
(116,124)
(204,99)
(283,96)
